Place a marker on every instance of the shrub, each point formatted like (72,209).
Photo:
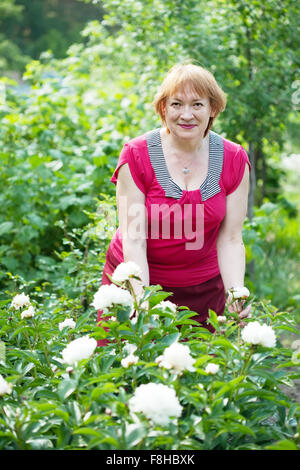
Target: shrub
(225,394)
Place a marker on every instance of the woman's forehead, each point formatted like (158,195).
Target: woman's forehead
(187,93)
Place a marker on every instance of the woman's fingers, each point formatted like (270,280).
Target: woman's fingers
(246,312)
(236,306)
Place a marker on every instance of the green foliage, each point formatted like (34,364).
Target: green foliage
(30,27)
(86,406)
(60,141)
(272,242)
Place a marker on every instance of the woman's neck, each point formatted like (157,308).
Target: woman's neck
(190,146)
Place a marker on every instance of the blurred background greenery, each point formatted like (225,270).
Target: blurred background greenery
(77,81)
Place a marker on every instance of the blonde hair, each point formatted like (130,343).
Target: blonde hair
(201,81)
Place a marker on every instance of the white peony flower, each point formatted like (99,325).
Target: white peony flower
(158,402)
(80,348)
(130,348)
(5,387)
(212,368)
(129,360)
(68,322)
(176,357)
(109,295)
(29,313)
(20,300)
(255,333)
(238,293)
(222,319)
(167,303)
(126,270)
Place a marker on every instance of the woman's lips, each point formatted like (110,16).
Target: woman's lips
(187,126)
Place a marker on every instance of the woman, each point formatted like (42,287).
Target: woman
(182,193)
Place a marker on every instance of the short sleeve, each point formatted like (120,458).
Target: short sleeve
(235,169)
(131,156)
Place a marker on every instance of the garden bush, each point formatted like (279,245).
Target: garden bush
(161,382)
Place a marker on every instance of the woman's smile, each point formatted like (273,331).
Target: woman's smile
(187,126)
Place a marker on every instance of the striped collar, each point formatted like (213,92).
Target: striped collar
(210,186)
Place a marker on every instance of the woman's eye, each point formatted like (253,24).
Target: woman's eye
(175,104)
(198,105)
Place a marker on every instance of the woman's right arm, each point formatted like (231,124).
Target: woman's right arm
(132,224)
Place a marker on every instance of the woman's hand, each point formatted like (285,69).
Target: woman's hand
(236,298)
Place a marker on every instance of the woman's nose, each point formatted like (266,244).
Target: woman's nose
(187,113)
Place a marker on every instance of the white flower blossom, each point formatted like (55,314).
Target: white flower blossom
(109,295)
(238,293)
(163,305)
(129,360)
(255,333)
(68,322)
(212,368)
(176,357)
(20,300)
(80,348)
(129,348)
(29,313)
(126,270)
(157,402)
(222,319)
(167,303)
(5,387)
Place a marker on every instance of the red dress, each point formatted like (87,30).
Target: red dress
(182,225)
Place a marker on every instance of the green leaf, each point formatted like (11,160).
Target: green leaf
(134,434)
(236,427)
(2,351)
(74,408)
(123,313)
(219,341)
(104,440)
(283,445)
(40,444)
(213,319)
(168,339)
(5,227)
(105,388)
(229,386)
(66,388)
(88,432)
(159,297)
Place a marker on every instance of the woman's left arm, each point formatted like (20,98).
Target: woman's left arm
(230,246)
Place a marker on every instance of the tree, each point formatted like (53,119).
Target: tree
(30,27)
(252,49)
(11,56)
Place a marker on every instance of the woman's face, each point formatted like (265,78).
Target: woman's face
(187,114)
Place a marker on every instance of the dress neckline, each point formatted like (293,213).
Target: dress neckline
(210,185)
(170,177)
